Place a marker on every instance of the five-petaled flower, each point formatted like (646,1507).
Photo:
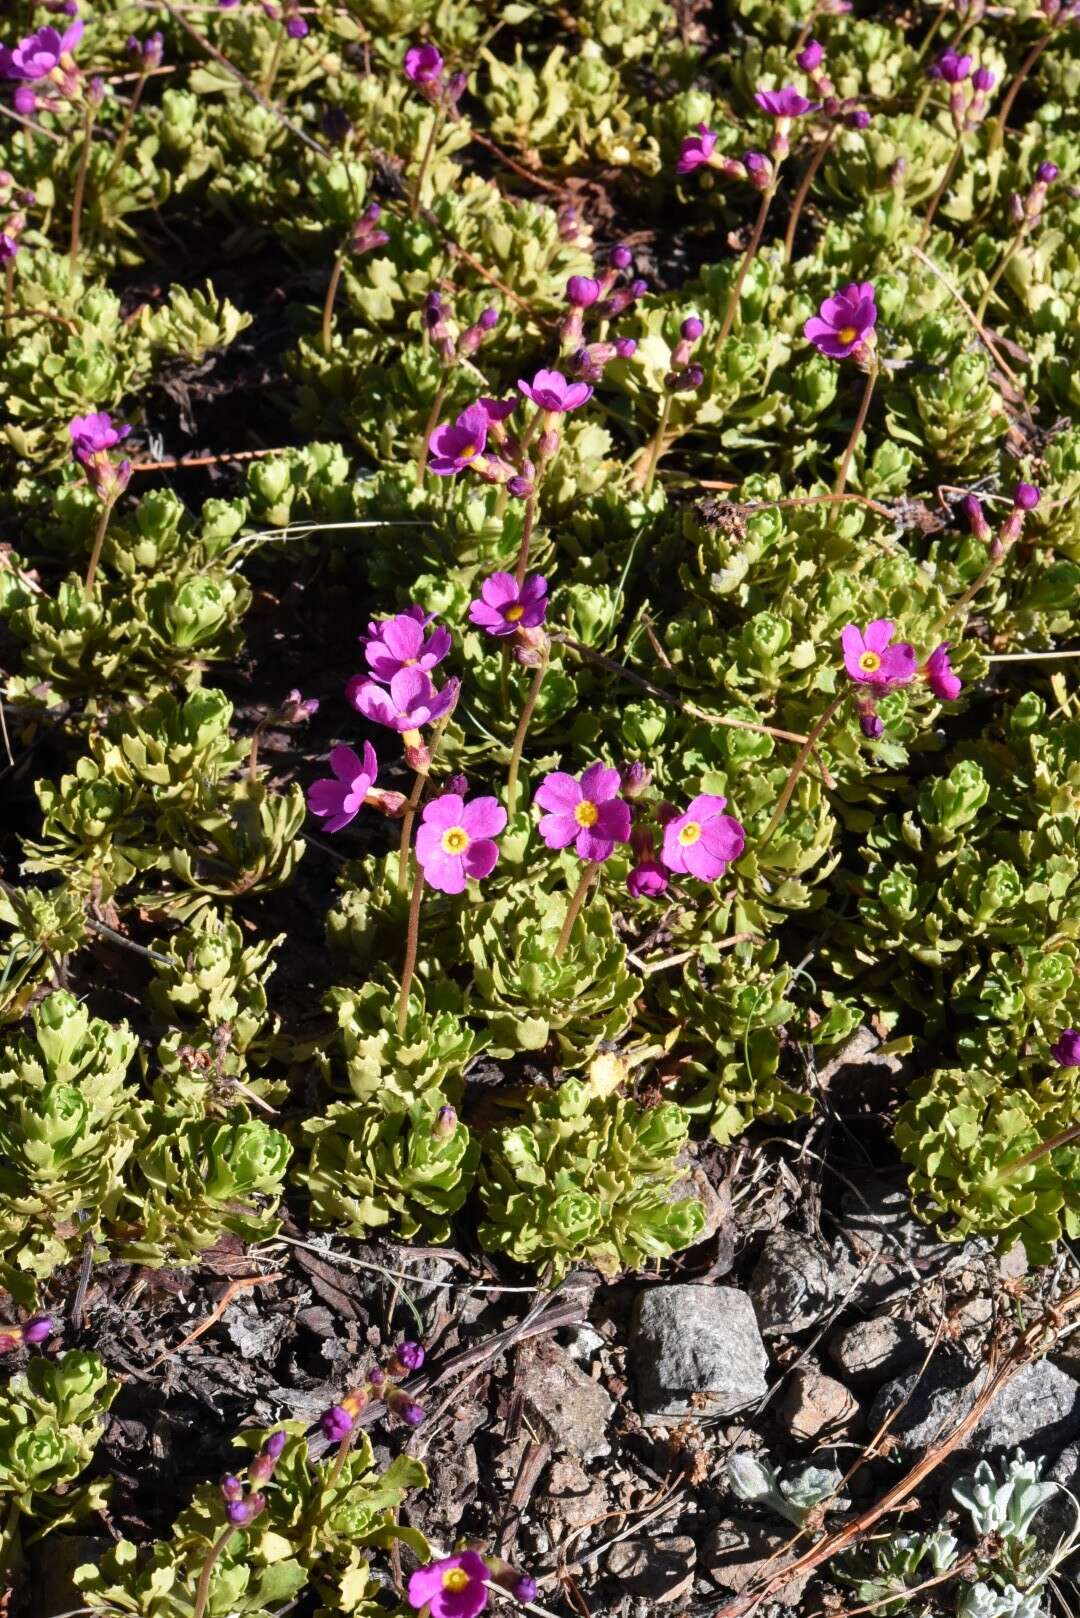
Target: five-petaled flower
(423,64)
(872,660)
(341,799)
(94,434)
(696,150)
(39,55)
(452,1587)
(455,445)
(399,643)
(410,702)
(703,841)
(938,673)
(552,392)
(588,813)
(845,322)
(785,103)
(455,840)
(504,606)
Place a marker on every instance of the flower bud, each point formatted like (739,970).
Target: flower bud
(445,1125)
(759,170)
(635,779)
(521,487)
(37,1329)
(1026,496)
(621,257)
(973,511)
(525,1589)
(1047,173)
(547,445)
(625,347)
(983,79)
(231,1487)
(336,1424)
(870,725)
(1016,209)
(858,118)
(692,328)
(582,291)
(488,319)
(404,1408)
(812,56)
(406,1358)
(1066,1049)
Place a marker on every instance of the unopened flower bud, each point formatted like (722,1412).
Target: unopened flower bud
(404,1408)
(407,1358)
(983,80)
(37,1329)
(635,780)
(1026,496)
(976,516)
(582,291)
(1016,209)
(870,725)
(1047,173)
(457,784)
(445,1125)
(811,57)
(525,1588)
(692,328)
(858,118)
(625,347)
(336,1424)
(621,257)
(488,319)
(231,1487)
(759,170)
(547,445)
(521,487)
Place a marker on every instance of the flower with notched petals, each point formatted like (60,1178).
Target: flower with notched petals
(845,322)
(341,799)
(504,606)
(871,658)
(400,644)
(552,392)
(704,841)
(455,841)
(785,103)
(410,702)
(588,812)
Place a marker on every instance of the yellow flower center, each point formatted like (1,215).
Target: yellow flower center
(689,834)
(455,1578)
(466,455)
(515,613)
(848,334)
(586,814)
(869,662)
(455,840)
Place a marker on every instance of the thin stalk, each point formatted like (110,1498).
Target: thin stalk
(421,173)
(799,765)
(80,191)
(253,755)
(857,430)
(429,428)
(1002,265)
(997,134)
(328,301)
(412,939)
(334,1476)
(125,127)
(406,828)
(932,31)
(804,191)
(657,447)
(99,540)
(573,909)
(275,63)
(950,170)
(9,295)
(521,732)
(202,1589)
(973,589)
(1052,1145)
(748,258)
(526,539)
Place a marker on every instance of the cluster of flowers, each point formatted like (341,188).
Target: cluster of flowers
(43,66)
(426,69)
(873,660)
(606,301)
(381,1386)
(969,88)
(457,1586)
(244,1499)
(38,1329)
(92,437)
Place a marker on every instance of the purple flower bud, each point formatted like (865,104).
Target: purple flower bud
(411,1355)
(296,28)
(445,1125)
(520,487)
(525,1588)
(37,1329)
(757,164)
(811,58)
(455,88)
(582,291)
(1026,496)
(621,257)
(858,118)
(231,1487)
(1066,1049)
(336,1424)
(488,319)
(411,1413)
(275,1444)
(692,328)
(983,80)
(24,101)
(870,725)
(976,517)
(376,1378)
(1047,173)
(239,1512)
(638,288)
(457,784)
(1016,208)
(636,779)
(625,347)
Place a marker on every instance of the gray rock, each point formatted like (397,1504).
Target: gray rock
(569,1406)
(871,1351)
(571,1498)
(661,1569)
(816,1406)
(1039,1409)
(740,1551)
(696,1351)
(791,1285)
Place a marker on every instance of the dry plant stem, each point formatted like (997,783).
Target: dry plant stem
(1007,100)
(253,756)
(429,428)
(99,540)
(748,258)
(950,170)
(125,127)
(856,431)
(202,1589)
(412,939)
(656,449)
(804,190)
(799,766)
(80,189)
(272,70)
(526,540)
(328,301)
(573,909)
(522,730)
(421,173)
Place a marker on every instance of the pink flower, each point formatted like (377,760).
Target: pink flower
(696,150)
(504,607)
(1066,1050)
(497,410)
(399,644)
(588,813)
(455,840)
(452,1587)
(423,64)
(94,434)
(647,880)
(341,800)
(703,841)
(411,701)
(871,660)
(785,103)
(454,446)
(938,674)
(844,321)
(36,56)
(551,391)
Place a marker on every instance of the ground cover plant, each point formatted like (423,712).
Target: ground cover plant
(540,874)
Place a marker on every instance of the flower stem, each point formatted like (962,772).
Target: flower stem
(328,301)
(272,70)
(997,134)
(573,909)
(526,540)
(80,190)
(412,938)
(973,589)
(421,173)
(798,767)
(406,828)
(1002,265)
(857,430)
(334,1475)
(429,428)
(125,128)
(202,1589)
(521,732)
(748,257)
(950,170)
(9,296)
(657,448)
(1065,1138)
(99,540)
(804,191)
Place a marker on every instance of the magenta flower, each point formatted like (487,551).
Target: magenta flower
(341,799)
(647,880)
(870,659)
(92,435)
(582,291)
(952,68)
(504,606)
(844,322)
(452,1587)
(36,56)
(703,841)
(588,813)
(411,701)
(9,248)
(455,840)
(551,391)
(423,64)
(454,446)
(785,103)
(696,150)
(938,674)
(497,410)
(1066,1049)
(399,643)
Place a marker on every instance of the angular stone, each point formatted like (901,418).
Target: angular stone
(816,1406)
(660,1569)
(569,1406)
(696,1351)
(1039,1408)
(791,1285)
(740,1551)
(869,1352)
